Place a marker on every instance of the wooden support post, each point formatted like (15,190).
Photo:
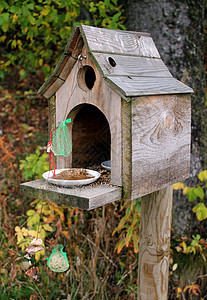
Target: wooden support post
(154,249)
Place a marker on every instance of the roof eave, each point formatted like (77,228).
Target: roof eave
(46,89)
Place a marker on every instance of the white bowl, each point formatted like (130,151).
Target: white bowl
(49,177)
(106,165)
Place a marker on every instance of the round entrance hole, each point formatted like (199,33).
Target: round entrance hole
(86,78)
(112,62)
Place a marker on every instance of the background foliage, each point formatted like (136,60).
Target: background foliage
(102,245)
(34,33)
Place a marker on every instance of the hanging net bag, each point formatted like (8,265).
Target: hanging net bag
(60,143)
(58,261)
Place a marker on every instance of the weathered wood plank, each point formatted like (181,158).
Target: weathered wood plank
(85,197)
(118,42)
(161,132)
(154,246)
(127,149)
(51,89)
(131,66)
(52,114)
(77,46)
(72,42)
(138,86)
(101,96)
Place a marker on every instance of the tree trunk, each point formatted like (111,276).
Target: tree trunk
(177,30)
(154,247)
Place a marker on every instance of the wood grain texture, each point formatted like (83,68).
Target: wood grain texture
(51,89)
(127,149)
(118,42)
(52,114)
(154,246)
(131,66)
(86,197)
(161,133)
(140,86)
(69,98)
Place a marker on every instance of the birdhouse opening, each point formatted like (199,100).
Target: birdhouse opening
(91,137)
(112,62)
(86,78)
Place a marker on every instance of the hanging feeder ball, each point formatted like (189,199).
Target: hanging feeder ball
(58,261)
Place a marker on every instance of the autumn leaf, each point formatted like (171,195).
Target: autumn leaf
(119,246)
(193,289)
(47,227)
(203,175)
(178,186)
(66,234)
(136,243)
(201,211)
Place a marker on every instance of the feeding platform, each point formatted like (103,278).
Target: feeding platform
(85,197)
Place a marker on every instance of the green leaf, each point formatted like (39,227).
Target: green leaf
(120,246)
(191,194)
(138,206)
(13,44)
(4,18)
(37,152)
(30,212)
(13,9)
(136,243)
(30,6)
(25,11)
(47,227)
(115,18)
(201,211)
(195,240)
(62,33)
(22,74)
(3,4)
(107,2)
(122,222)
(199,192)
(128,210)
(33,220)
(128,236)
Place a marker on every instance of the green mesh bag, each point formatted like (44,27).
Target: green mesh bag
(58,261)
(61,139)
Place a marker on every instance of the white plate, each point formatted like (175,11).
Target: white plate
(106,165)
(49,177)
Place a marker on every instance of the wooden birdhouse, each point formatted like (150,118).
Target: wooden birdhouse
(125,106)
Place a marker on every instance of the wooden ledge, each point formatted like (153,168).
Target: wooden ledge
(85,197)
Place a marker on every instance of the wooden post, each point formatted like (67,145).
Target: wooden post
(154,249)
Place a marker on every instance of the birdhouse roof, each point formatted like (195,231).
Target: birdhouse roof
(128,61)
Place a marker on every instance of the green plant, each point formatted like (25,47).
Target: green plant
(34,32)
(188,266)
(129,226)
(34,165)
(198,194)
(45,216)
